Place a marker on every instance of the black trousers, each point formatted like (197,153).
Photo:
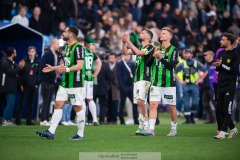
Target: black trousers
(224,104)
(2,103)
(28,93)
(128,92)
(219,116)
(207,96)
(237,98)
(47,94)
(103,102)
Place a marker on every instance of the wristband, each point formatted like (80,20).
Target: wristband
(67,69)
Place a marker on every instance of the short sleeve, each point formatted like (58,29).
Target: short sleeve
(79,52)
(148,50)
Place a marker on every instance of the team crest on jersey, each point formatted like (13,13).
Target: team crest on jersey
(228,60)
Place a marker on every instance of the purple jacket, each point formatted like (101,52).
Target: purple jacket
(215,75)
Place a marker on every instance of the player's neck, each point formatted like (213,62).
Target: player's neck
(145,43)
(71,41)
(229,47)
(165,44)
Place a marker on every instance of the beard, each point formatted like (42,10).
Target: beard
(140,39)
(65,38)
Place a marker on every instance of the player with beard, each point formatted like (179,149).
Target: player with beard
(142,74)
(72,87)
(227,66)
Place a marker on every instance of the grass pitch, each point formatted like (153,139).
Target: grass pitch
(193,142)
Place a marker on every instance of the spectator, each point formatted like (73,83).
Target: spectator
(21,17)
(101,90)
(190,79)
(28,84)
(62,25)
(47,81)
(113,92)
(157,10)
(10,72)
(6,7)
(3,99)
(67,109)
(125,70)
(134,10)
(207,96)
(166,16)
(36,21)
(234,28)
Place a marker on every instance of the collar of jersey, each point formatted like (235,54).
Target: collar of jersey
(72,43)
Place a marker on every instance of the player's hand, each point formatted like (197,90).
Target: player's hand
(125,38)
(61,70)
(94,76)
(218,63)
(47,69)
(156,52)
(158,56)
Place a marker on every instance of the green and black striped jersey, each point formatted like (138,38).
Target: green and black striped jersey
(72,54)
(163,71)
(89,59)
(142,71)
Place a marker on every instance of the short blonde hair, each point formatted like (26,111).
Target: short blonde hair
(209,53)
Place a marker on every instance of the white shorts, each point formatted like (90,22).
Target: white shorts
(88,89)
(140,90)
(166,95)
(75,95)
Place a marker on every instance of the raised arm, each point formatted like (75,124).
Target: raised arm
(135,50)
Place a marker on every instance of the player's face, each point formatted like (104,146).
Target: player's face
(224,42)
(66,34)
(92,48)
(165,35)
(32,53)
(142,35)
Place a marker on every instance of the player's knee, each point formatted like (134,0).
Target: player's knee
(140,103)
(153,105)
(58,105)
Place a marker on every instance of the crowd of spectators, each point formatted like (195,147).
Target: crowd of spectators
(196,23)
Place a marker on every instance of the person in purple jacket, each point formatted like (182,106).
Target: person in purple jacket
(208,93)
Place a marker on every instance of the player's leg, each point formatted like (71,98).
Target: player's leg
(77,101)
(155,97)
(61,98)
(91,103)
(141,92)
(169,98)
